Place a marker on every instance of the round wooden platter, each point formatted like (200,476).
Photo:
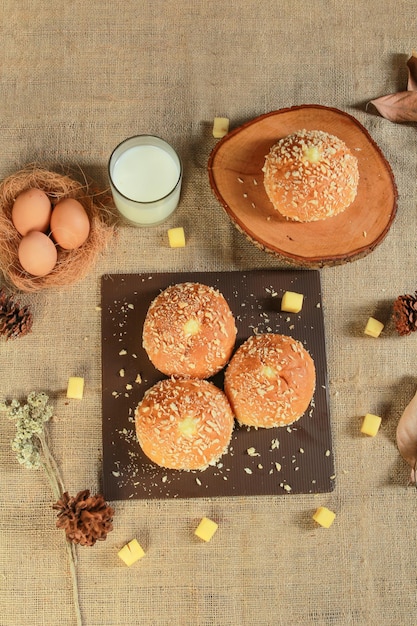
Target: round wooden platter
(236,177)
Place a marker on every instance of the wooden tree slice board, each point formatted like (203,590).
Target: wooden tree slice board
(236,177)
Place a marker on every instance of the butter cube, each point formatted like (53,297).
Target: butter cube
(206,529)
(131,552)
(220,127)
(292,302)
(75,389)
(324,517)
(370,424)
(176,237)
(373,328)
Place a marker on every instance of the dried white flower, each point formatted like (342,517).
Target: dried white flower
(30,419)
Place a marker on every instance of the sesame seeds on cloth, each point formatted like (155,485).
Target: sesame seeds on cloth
(310,175)
(189,330)
(270,381)
(184,424)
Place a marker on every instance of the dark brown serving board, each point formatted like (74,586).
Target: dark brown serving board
(297,459)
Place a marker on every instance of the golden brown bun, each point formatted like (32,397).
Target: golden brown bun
(189,330)
(310,175)
(270,381)
(184,424)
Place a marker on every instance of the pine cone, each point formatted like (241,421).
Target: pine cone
(405,314)
(15,321)
(85,519)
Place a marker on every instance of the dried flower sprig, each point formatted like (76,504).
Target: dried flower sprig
(84,518)
(31,444)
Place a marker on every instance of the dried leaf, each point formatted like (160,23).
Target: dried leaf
(407,436)
(398,107)
(412,72)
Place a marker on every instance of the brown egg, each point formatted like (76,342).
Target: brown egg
(37,253)
(70,225)
(31,211)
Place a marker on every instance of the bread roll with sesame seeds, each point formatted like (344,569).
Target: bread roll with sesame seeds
(184,424)
(189,330)
(310,175)
(270,381)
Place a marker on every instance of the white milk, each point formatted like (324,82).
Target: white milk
(145,175)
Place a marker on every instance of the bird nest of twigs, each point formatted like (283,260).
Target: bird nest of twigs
(72,265)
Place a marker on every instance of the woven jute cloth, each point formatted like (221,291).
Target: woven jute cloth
(76,79)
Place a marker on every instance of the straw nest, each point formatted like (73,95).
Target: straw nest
(72,265)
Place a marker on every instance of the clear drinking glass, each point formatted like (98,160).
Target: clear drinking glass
(145,176)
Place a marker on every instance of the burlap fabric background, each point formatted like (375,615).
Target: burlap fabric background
(77,78)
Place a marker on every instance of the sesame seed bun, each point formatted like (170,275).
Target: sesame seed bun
(310,175)
(189,330)
(270,381)
(184,424)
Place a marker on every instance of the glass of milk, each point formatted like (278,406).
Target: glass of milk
(145,176)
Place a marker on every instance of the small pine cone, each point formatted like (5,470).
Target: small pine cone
(15,321)
(405,314)
(85,519)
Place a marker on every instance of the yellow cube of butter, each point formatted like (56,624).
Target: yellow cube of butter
(220,127)
(373,327)
(75,389)
(370,424)
(324,517)
(292,302)
(206,529)
(131,552)
(176,237)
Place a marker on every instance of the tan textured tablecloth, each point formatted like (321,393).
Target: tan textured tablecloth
(77,78)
